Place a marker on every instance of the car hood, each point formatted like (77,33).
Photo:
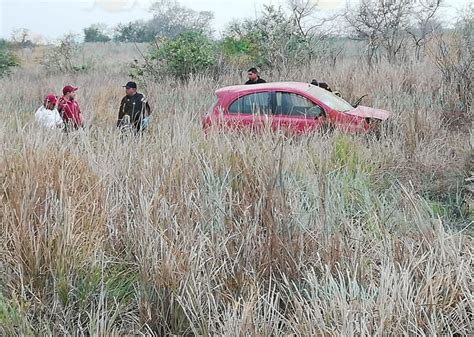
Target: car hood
(367,112)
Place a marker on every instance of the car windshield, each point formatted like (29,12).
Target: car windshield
(331,100)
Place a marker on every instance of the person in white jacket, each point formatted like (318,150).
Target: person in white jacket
(47,115)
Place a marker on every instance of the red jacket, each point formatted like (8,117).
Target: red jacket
(70,112)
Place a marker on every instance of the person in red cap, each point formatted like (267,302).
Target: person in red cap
(69,108)
(47,114)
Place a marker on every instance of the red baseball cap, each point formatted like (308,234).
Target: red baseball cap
(68,89)
(51,98)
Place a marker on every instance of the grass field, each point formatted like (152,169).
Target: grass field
(176,233)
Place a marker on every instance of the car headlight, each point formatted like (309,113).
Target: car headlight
(375,125)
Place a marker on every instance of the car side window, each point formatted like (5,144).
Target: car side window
(252,104)
(290,104)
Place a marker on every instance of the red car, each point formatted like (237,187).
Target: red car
(293,107)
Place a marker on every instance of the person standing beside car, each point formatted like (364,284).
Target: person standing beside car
(254,77)
(134,109)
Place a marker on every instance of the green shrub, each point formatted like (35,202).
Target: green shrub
(66,57)
(96,33)
(8,60)
(189,53)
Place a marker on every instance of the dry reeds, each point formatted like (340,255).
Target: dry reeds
(178,233)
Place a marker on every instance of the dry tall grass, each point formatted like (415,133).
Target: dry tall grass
(176,233)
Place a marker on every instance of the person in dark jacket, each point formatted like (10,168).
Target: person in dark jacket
(134,109)
(254,77)
(323,85)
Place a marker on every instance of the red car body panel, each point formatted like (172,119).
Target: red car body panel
(368,112)
(350,120)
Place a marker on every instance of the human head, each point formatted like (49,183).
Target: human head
(252,74)
(130,88)
(50,102)
(69,92)
(314,82)
(324,85)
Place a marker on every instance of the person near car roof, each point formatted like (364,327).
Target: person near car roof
(254,77)
(47,115)
(69,109)
(136,107)
(323,85)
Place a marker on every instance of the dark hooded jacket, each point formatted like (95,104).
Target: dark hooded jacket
(136,107)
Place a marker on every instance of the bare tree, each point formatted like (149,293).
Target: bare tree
(65,57)
(424,23)
(382,24)
(170,18)
(281,37)
(453,55)
(274,36)
(314,30)
(22,38)
(300,11)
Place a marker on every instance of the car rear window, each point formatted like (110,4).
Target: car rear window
(256,103)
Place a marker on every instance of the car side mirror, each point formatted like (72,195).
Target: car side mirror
(356,104)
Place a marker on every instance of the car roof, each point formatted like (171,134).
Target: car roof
(242,89)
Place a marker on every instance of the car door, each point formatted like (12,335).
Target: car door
(294,113)
(249,112)
(337,110)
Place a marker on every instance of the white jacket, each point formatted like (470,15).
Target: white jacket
(48,118)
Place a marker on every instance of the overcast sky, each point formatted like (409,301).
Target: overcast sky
(54,18)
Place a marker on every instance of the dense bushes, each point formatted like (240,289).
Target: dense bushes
(188,53)
(8,60)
